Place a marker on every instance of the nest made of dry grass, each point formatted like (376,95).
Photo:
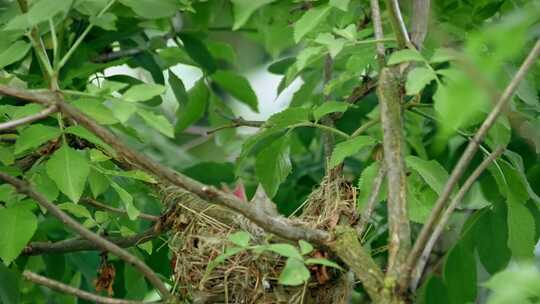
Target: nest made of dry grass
(199,237)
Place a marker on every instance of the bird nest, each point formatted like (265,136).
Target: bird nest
(200,235)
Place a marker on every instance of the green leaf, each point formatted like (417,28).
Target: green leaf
(17,226)
(123,110)
(431,171)
(518,284)
(98,183)
(417,79)
(6,155)
(286,250)
(492,224)
(14,53)
(305,247)
(127,199)
(330,107)
(238,86)
(421,198)
(10,290)
(521,230)
(178,88)
(324,262)
(195,108)
(272,165)
(143,92)
(151,9)
(294,273)
(442,55)
(434,291)
(288,117)
(349,148)
(460,274)
(40,11)
(365,185)
(199,52)
(75,209)
(243,9)
(107,21)
(340,4)
(134,174)
(97,156)
(69,169)
(158,122)
(240,238)
(405,55)
(45,185)
(96,110)
(83,133)
(350,33)
(34,136)
(333,45)
(309,21)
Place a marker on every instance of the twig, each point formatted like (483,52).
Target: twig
(390,96)
(398,25)
(81,294)
(99,205)
(327,138)
(28,119)
(372,200)
(277,225)
(417,272)
(419,22)
(237,122)
(465,159)
(378,30)
(23,188)
(78,244)
(363,128)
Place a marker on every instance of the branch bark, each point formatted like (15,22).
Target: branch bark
(465,159)
(81,294)
(398,25)
(419,268)
(27,119)
(378,30)
(24,188)
(277,225)
(390,98)
(78,244)
(419,22)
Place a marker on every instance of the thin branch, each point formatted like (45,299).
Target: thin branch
(327,138)
(372,200)
(28,119)
(417,272)
(465,159)
(23,188)
(78,244)
(96,204)
(277,225)
(363,128)
(237,122)
(378,30)
(81,294)
(419,22)
(390,100)
(402,36)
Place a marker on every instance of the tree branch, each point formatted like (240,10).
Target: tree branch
(390,98)
(372,200)
(78,244)
(277,225)
(24,188)
(81,294)
(96,204)
(419,268)
(419,22)
(27,119)
(465,159)
(402,36)
(378,30)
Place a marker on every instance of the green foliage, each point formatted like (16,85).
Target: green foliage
(69,169)
(17,226)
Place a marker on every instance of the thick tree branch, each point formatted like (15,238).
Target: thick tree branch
(390,98)
(348,248)
(24,188)
(419,268)
(28,119)
(78,244)
(81,294)
(96,204)
(465,159)
(398,25)
(277,225)
(419,22)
